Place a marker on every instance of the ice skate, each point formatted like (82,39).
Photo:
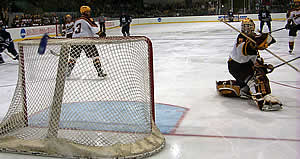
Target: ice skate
(16,57)
(291,52)
(102,75)
(271,103)
(68,72)
(1,60)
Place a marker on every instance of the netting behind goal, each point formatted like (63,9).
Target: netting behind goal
(63,107)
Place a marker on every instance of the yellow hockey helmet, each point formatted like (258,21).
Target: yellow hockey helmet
(247,26)
(84,9)
(68,16)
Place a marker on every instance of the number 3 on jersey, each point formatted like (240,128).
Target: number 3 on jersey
(78,28)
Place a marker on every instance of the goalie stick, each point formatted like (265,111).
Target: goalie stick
(222,20)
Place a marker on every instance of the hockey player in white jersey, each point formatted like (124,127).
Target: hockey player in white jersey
(293,24)
(68,26)
(249,70)
(85,27)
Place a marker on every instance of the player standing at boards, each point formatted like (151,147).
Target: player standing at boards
(68,26)
(6,43)
(85,26)
(265,17)
(230,16)
(125,21)
(293,24)
(249,70)
(102,23)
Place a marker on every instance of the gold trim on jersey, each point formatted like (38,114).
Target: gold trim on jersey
(244,49)
(92,23)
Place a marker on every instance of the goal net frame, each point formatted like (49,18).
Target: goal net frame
(17,118)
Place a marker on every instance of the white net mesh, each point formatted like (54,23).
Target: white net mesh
(84,97)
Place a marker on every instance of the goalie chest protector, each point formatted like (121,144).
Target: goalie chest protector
(228,88)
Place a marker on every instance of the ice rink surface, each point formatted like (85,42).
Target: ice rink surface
(188,59)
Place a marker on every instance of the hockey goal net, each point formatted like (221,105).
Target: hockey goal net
(54,113)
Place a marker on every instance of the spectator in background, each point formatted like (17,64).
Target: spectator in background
(1,22)
(46,19)
(102,20)
(29,20)
(16,22)
(23,21)
(5,18)
(2,16)
(37,20)
(230,16)
(54,19)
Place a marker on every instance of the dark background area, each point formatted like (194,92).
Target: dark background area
(145,8)
(55,10)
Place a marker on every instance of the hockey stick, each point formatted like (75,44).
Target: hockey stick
(277,30)
(53,53)
(43,45)
(271,31)
(255,43)
(8,54)
(286,62)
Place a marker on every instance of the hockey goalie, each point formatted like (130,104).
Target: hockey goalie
(249,70)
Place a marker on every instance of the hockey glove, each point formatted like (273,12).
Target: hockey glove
(264,41)
(288,26)
(270,68)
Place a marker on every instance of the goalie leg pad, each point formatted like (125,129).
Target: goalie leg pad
(228,88)
(263,85)
(256,95)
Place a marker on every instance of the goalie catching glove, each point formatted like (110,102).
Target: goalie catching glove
(264,41)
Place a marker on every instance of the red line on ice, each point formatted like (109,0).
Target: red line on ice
(234,137)
(285,85)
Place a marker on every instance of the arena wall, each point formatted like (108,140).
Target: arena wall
(19,34)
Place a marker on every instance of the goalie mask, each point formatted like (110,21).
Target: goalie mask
(247,26)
